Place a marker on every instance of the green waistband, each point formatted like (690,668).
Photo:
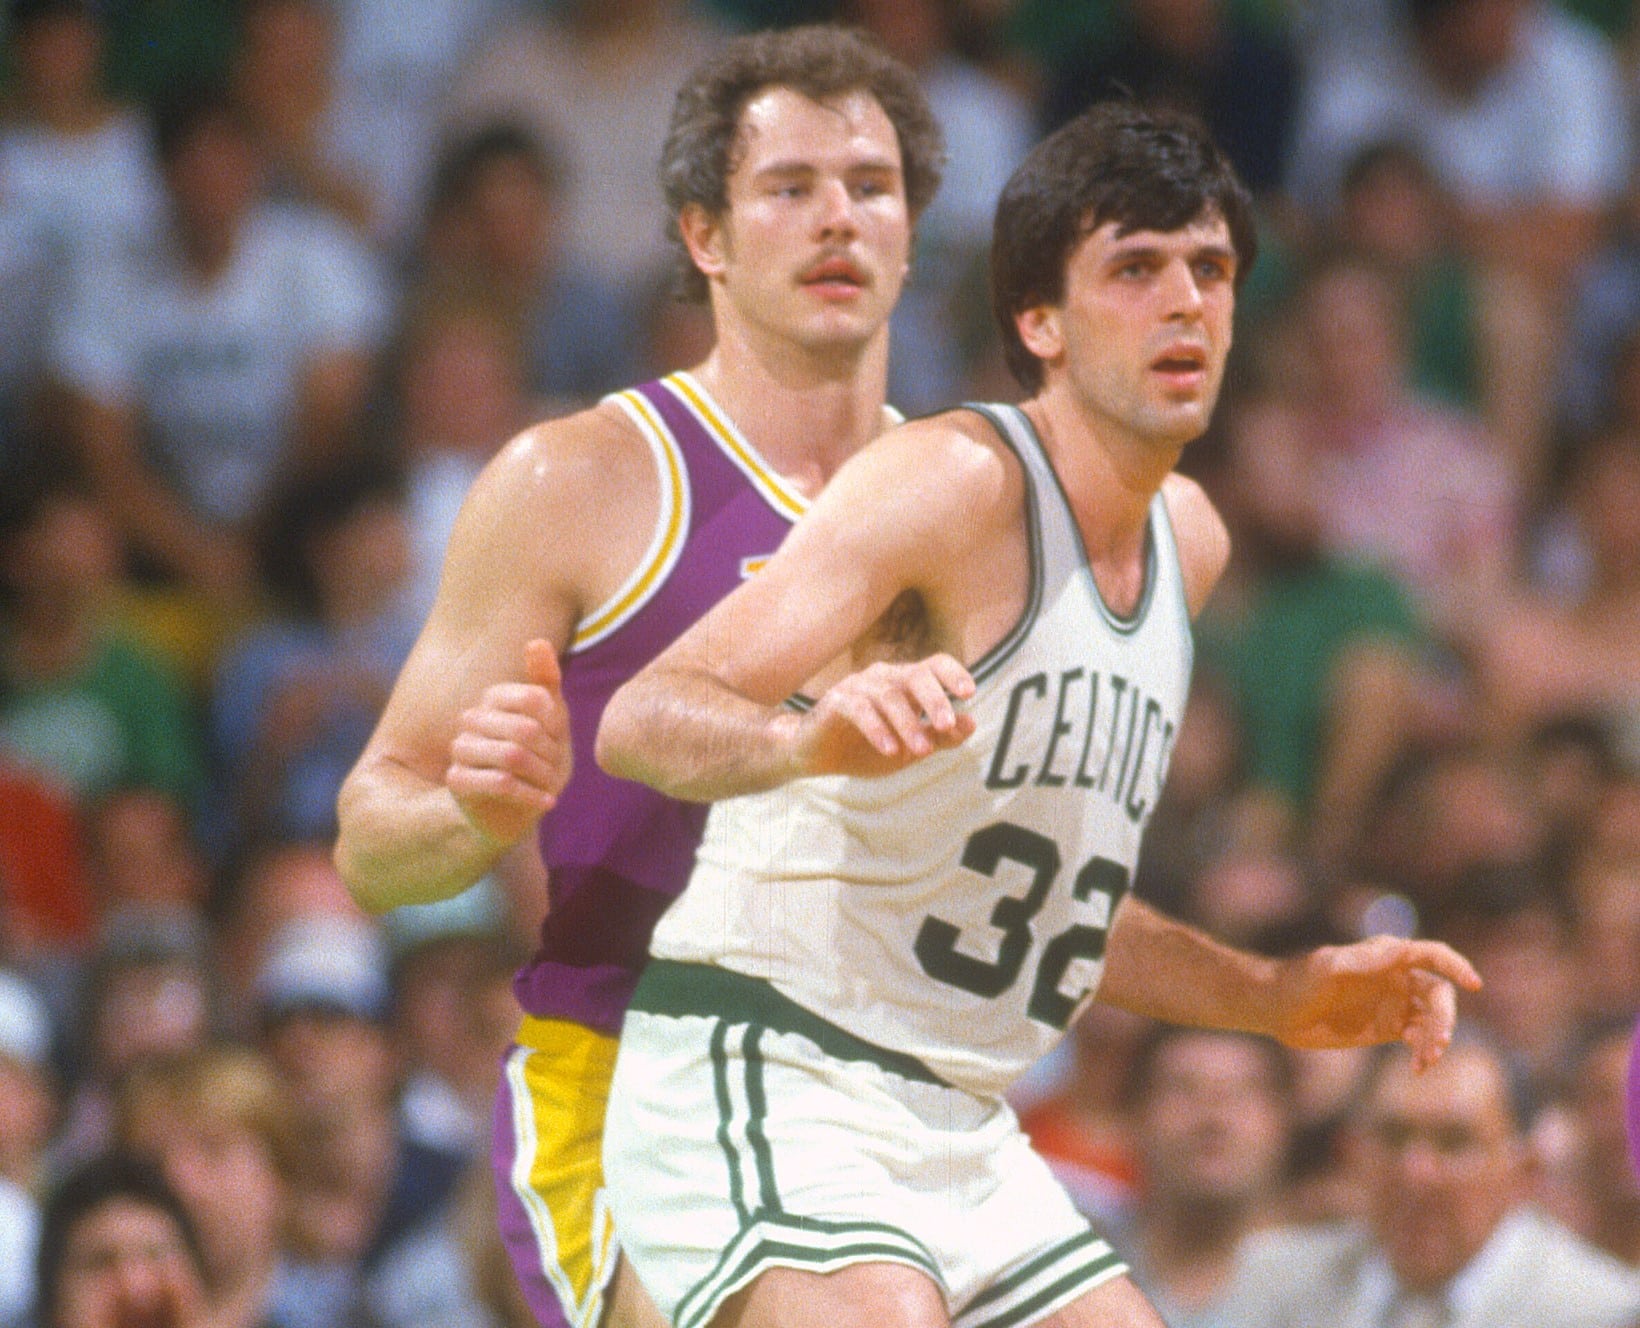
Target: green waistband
(668,987)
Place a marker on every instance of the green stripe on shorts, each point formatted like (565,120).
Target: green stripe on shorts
(669,987)
(807,1244)
(1043,1285)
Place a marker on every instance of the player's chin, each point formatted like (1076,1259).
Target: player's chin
(838,334)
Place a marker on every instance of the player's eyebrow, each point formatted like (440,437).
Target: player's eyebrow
(792,167)
(1128,251)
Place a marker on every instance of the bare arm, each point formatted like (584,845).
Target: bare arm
(706,719)
(1202,538)
(1379,990)
(473,745)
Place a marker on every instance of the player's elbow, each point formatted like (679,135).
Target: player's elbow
(349,856)
(615,748)
(350,866)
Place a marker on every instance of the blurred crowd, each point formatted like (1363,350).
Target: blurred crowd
(277,277)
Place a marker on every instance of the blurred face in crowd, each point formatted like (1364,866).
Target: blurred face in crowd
(1607,894)
(286,52)
(57,59)
(127,1265)
(1443,1160)
(1352,329)
(332,1060)
(1608,498)
(150,1007)
(463,386)
(67,557)
(28,1112)
(1601,1105)
(1212,1129)
(1465,40)
(213,178)
(225,1175)
(145,855)
(1274,496)
(814,244)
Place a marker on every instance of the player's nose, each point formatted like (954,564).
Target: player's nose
(836,208)
(1183,292)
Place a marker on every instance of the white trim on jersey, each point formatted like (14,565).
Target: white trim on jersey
(671,527)
(777,491)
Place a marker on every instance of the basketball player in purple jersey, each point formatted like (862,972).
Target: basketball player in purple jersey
(794,170)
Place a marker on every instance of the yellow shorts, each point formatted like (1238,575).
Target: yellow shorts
(549,1130)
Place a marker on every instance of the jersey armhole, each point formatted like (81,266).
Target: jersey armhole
(665,543)
(1004,419)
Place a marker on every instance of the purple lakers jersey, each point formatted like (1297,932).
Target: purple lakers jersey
(617,853)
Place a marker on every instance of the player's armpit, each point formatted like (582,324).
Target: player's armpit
(705,719)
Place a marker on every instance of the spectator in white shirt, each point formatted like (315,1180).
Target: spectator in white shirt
(233,347)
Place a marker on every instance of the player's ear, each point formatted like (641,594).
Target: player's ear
(703,236)
(1040,330)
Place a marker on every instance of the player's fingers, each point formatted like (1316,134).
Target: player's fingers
(956,680)
(895,704)
(929,695)
(860,713)
(541,665)
(1432,1019)
(1436,957)
(476,752)
(544,733)
(496,785)
(962,728)
(522,697)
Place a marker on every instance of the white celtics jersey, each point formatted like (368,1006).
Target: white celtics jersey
(956,912)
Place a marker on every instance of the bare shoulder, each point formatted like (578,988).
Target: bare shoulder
(571,459)
(568,503)
(1202,538)
(947,467)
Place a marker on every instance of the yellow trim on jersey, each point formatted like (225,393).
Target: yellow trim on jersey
(671,526)
(780,495)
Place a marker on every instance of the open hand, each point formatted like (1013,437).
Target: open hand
(511,757)
(885,717)
(1379,990)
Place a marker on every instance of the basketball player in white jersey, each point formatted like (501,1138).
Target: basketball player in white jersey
(909,886)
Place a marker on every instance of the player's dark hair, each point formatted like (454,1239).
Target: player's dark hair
(83,1192)
(820,61)
(1141,168)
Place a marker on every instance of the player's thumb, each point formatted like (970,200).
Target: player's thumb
(541,665)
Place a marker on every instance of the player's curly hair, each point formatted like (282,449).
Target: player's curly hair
(818,60)
(1143,168)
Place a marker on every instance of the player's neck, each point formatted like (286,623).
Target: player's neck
(805,413)
(1109,478)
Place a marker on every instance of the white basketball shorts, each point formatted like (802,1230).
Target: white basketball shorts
(746,1133)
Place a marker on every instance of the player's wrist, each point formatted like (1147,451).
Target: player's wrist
(792,753)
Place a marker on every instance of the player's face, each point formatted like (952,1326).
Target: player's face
(1145,326)
(816,239)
